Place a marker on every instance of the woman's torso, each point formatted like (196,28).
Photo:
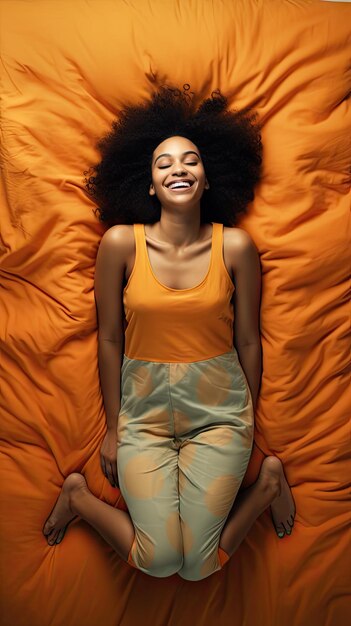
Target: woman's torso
(178,309)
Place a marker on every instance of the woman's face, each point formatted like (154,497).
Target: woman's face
(174,160)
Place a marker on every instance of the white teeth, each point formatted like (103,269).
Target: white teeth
(175,185)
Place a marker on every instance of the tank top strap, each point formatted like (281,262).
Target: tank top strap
(140,247)
(138,237)
(217,247)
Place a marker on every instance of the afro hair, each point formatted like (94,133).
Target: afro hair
(229,143)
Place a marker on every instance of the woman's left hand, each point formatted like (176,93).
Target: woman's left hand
(108,457)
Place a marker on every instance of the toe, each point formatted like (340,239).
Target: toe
(60,535)
(280,531)
(52,537)
(47,528)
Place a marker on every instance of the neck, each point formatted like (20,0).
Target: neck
(178,231)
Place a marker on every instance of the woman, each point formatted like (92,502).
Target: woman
(179,389)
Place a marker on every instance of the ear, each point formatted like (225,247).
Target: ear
(151,190)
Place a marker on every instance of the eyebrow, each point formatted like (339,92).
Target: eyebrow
(167,154)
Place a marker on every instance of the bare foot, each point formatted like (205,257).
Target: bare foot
(282,506)
(61,515)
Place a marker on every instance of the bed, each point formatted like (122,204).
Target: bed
(68,68)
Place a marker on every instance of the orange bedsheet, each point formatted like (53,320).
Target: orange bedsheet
(68,67)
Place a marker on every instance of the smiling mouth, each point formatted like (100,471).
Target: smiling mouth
(180,189)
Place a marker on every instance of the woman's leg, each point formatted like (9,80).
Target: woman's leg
(147,463)
(211,466)
(113,525)
(148,468)
(148,478)
(214,404)
(211,534)
(270,489)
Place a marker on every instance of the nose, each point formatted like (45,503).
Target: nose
(179,169)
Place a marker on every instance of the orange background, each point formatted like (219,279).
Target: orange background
(68,68)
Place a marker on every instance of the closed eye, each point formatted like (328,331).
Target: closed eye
(162,167)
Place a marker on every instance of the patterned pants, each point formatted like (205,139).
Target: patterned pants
(184,440)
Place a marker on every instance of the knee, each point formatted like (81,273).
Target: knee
(197,568)
(190,574)
(159,565)
(165,564)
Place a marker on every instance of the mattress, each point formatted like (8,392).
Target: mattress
(68,68)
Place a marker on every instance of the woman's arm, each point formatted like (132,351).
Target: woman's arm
(108,286)
(247,295)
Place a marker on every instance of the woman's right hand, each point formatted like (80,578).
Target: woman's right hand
(108,457)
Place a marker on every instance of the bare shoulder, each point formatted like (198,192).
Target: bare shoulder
(117,243)
(115,251)
(237,237)
(238,241)
(239,248)
(120,235)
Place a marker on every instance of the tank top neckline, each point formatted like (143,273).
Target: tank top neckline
(204,280)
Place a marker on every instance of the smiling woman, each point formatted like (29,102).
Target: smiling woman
(179,396)
(178,172)
(227,143)
(183,183)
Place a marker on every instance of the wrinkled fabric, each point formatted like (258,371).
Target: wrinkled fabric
(68,68)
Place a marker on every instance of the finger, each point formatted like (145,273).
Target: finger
(114,473)
(109,474)
(110,478)
(103,466)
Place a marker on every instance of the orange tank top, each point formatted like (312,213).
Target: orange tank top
(178,325)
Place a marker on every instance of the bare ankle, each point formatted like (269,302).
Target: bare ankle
(76,488)
(269,480)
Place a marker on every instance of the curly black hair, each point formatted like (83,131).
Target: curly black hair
(229,143)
